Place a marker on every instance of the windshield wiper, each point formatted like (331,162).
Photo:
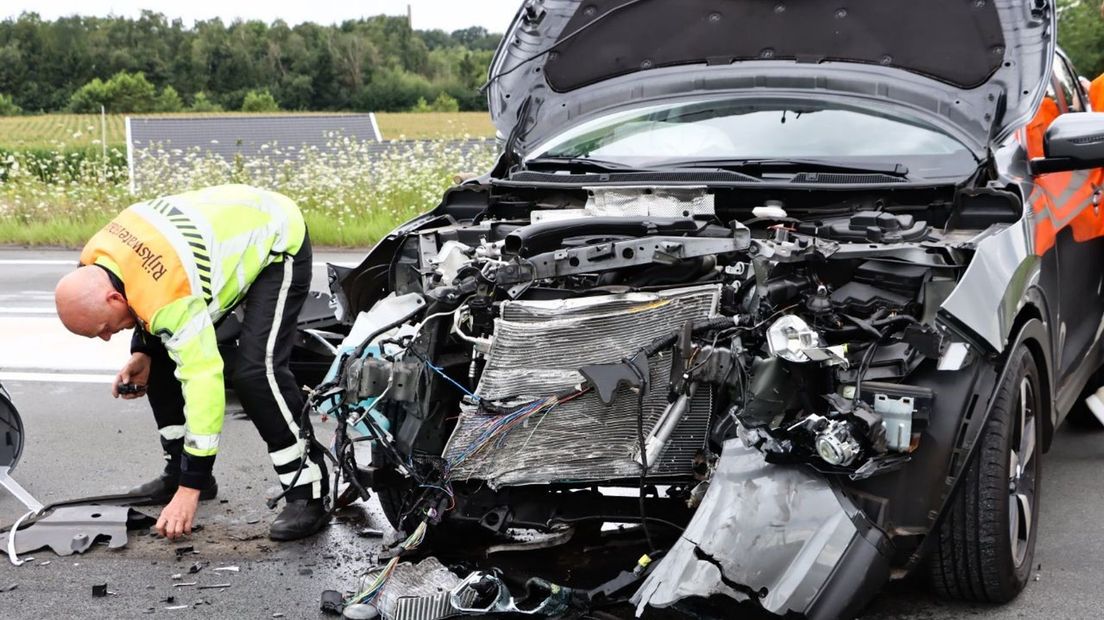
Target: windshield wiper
(584,163)
(801,165)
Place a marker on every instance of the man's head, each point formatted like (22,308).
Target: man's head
(88,304)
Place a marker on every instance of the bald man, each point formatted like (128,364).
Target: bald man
(171,268)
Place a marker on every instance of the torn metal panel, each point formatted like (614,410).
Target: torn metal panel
(539,347)
(73,529)
(772,532)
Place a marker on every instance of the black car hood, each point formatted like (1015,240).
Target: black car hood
(978,64)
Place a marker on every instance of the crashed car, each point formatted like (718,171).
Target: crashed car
(780,283)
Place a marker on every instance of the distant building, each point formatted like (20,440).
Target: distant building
(239,137)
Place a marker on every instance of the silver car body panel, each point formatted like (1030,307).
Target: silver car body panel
(778,531)
(520,96)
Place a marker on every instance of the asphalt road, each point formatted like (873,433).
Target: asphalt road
(81,442)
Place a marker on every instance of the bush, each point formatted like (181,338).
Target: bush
(124,92)
(443,103)
(394,90)
(8,107)
(259,101)
(200,103)
(168,101)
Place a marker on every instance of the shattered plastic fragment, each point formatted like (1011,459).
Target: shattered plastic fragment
(99,590)
(228,569)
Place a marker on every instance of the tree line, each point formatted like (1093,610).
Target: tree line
(153,63)
(373,64)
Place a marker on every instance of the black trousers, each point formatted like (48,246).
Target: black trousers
(261,378)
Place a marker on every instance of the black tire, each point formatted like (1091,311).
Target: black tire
(391,501)
(986,543)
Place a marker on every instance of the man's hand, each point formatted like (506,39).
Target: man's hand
(136,372)
(177,517)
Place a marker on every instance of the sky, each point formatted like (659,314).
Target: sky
(448,15)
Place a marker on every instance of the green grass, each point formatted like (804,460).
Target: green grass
(57,232)
(84,130)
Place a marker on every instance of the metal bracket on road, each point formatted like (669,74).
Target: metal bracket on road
(73,529)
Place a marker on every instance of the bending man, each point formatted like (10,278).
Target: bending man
(172,268)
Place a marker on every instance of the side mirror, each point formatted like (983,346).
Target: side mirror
(11,432)
(1072,142)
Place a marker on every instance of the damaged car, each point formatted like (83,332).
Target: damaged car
(781,285)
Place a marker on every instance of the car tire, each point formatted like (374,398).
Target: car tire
(986,542)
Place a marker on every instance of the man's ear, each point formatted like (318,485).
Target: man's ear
(116,296)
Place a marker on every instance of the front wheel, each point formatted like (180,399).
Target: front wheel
(986,542)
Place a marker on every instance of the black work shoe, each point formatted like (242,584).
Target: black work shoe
(161,489)
(299,519)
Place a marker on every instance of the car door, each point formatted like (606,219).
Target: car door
(1069,222)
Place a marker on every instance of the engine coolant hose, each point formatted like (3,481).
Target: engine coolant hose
(548,236)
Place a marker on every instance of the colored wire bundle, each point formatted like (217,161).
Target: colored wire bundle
(495,429)
(372,592)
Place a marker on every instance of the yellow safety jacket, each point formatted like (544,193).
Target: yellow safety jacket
(187,260)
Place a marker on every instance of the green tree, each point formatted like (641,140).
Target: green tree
(124,92)
(200,103)
(8,107)
(168,101)
(259,101)
(1081,35)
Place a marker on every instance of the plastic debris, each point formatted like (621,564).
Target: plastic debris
(175,607)
(360,611)
(184,583)
(277,615)
(332,602)
(182,551)
(177,576)
(195,568)
(100,590)
(228,569)
(9,588)
(46,563)
(370,532)
(214,585)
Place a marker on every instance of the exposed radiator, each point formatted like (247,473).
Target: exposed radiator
(539,347)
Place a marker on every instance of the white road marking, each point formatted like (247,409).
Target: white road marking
(56,377)
(42,344)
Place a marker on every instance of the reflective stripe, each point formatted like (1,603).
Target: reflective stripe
(310,474)
(170,433)
(207,444)
(270,346)
(287,455)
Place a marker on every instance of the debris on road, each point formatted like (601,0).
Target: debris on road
(75,528)
(182,551)
(360,611)
(195,568)
(99,591)
(184,584)
(9,588)
(214,586)
(228,569)
(175,607)
(332,602)
(177,576)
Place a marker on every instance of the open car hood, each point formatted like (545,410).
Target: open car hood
(975,67)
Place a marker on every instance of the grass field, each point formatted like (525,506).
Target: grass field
(85,130)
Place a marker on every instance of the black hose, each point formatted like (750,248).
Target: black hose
(547,236)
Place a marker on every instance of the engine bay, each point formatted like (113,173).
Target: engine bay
(618,340)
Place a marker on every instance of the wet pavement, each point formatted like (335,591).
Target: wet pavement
(81,442)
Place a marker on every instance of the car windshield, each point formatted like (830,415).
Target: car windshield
(671,135)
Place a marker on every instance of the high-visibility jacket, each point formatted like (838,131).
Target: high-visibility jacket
(187,260)
(1096,92)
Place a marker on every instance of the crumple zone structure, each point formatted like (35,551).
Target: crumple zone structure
(539,371)
(774,534)
(538,349)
